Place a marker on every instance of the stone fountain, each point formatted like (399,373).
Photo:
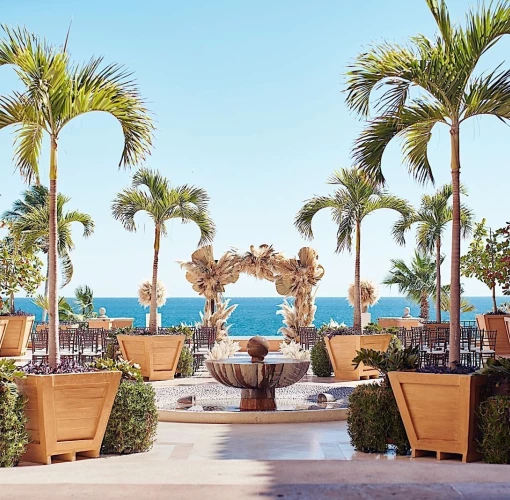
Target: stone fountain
(258,378)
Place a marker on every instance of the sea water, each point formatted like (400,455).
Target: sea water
(256,315)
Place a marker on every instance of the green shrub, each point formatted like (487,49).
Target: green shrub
(133,421)
(374,420)
(319,357)
(494,422)
(13,436)
(185,364)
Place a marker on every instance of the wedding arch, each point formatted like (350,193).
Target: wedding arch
(295,277)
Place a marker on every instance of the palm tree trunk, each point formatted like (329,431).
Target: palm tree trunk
(454,356)
(438,280)
(153,317)
(494,304)
(357,286)
(53,339)
(46,287)
(424,307)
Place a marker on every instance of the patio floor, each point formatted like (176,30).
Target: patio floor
(288,461)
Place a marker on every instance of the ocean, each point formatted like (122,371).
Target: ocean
(256,315)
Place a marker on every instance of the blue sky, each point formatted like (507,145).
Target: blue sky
(247,101)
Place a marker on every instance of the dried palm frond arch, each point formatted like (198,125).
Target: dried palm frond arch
(296,277)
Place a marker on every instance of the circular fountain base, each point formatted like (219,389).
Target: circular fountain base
(214,404)
(258,400)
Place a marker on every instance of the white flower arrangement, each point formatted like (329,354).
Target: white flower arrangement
(145,293)
(223,349)
(293,350)
(334,324)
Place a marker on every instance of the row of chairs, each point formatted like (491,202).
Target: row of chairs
(74,344)
(476,345)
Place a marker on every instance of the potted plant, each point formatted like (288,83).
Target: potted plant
(488,260)
(438,406)
(374,420)
(369,297)
(343,343)
(68,408)
(157,354)
(19,270)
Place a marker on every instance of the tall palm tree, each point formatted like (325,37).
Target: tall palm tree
(432,217)
(418,282)
(356,198)
(55,92)
(151,192)
(445,90)
(30,217)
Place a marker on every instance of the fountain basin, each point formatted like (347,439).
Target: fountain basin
(258,381)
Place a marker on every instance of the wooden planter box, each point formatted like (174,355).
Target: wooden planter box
(16,335)
(67,414)
(342,350)
(3,327)
(439,412)
(496,322)
(157,355)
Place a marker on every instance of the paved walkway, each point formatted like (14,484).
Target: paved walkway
(290,461)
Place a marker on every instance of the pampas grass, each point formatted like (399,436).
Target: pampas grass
(219,318)
(369,294)
(223,349)
(293,350)
(145,294)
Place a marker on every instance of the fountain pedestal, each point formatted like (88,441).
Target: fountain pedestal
(258,399)
(257,379)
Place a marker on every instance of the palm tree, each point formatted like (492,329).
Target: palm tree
(30,217)
(84,299)
(151,192)
(55,92)
(418,282)
(445,90)
(357,197)
(432,217)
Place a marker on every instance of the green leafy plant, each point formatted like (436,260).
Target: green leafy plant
(374,420)
(129,370)
(498,371)
(133,421)
(494,423)
(185,364)
(19,270)
(13,436)
(372,328)
(488,260)
(319,357)
(134,418)
(406,359)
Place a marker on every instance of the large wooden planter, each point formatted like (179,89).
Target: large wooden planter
(3,327)
(16,335)
(67,414)
(439,412)
(496,322)
(157,355)
(342,350)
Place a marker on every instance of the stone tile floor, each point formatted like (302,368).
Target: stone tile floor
(290,461)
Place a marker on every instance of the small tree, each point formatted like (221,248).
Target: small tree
(488,259)
(18,270)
